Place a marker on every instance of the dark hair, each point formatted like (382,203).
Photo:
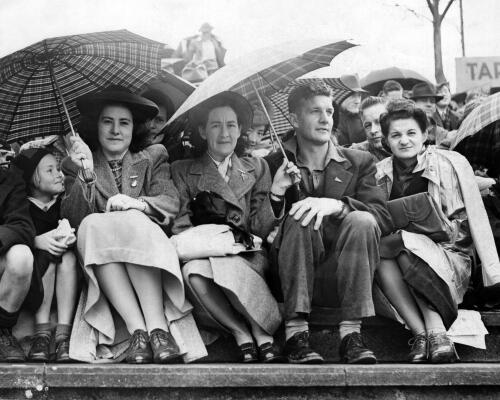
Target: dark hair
(402,109)
(370,101)
(391,85)
(306,92)
(87,129)
(199,144)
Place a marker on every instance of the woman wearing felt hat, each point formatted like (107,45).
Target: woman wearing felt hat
(230,292)
(121,215)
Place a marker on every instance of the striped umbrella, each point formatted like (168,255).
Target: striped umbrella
(266,70)
(39,84)
(280,99)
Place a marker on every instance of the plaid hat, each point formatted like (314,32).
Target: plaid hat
(27,161)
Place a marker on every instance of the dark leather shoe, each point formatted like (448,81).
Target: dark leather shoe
(419,350)
(62,351)
(40,349)
(298,351)
(269,353)
(139,350)
(163,346)
(441,349)
(10,350)
(353,350)
(248,352)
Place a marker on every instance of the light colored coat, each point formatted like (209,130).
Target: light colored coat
(96,334)
(453,187)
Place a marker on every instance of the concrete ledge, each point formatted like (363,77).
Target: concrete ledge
(80,376)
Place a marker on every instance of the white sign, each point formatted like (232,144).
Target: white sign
(475,72)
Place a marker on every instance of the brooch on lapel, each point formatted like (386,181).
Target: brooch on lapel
(242,174)
(337,179)
(134,181)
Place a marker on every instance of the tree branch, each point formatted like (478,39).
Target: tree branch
(430,6)
(450,2)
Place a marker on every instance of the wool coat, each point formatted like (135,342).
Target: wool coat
(249,207)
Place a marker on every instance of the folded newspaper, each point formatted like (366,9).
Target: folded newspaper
(468,329)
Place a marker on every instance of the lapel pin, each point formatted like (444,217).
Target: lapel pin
(337,179)
(242,173)
(134,181)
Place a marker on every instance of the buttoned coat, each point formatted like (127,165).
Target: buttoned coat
(246,191)
(249,207)
(145,174)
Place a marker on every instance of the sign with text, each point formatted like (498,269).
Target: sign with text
(475,72)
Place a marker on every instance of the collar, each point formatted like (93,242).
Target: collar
(332,153)
(41,205)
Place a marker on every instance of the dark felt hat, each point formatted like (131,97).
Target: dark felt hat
(27,161)
(237,102)
(424,89)
(91,104)
(161,99)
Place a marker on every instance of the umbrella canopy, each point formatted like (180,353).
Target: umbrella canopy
(267,70)
(374,81)
(483,115)
(280,99)
(29,100)
(478,137)
(176,88)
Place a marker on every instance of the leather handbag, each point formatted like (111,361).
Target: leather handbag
(418,213)
(210,208)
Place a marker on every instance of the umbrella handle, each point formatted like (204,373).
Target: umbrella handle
(87,174)
(273,131)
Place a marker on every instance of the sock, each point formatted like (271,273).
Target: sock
(43,329)
(433,330)
(8,319)
(347,327)
(63,331)
(295,325)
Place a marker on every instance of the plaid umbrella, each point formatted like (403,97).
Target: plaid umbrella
(280,99)
(483,115)
(30,79)
(374,81)
(266,70)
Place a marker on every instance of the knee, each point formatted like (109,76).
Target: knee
(362,221)
(68,262)
(19,262)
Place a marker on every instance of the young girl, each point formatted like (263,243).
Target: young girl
(54,261)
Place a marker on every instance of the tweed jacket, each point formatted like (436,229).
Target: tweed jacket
(350,178)
(145,174)
(247,191)
(16,226)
